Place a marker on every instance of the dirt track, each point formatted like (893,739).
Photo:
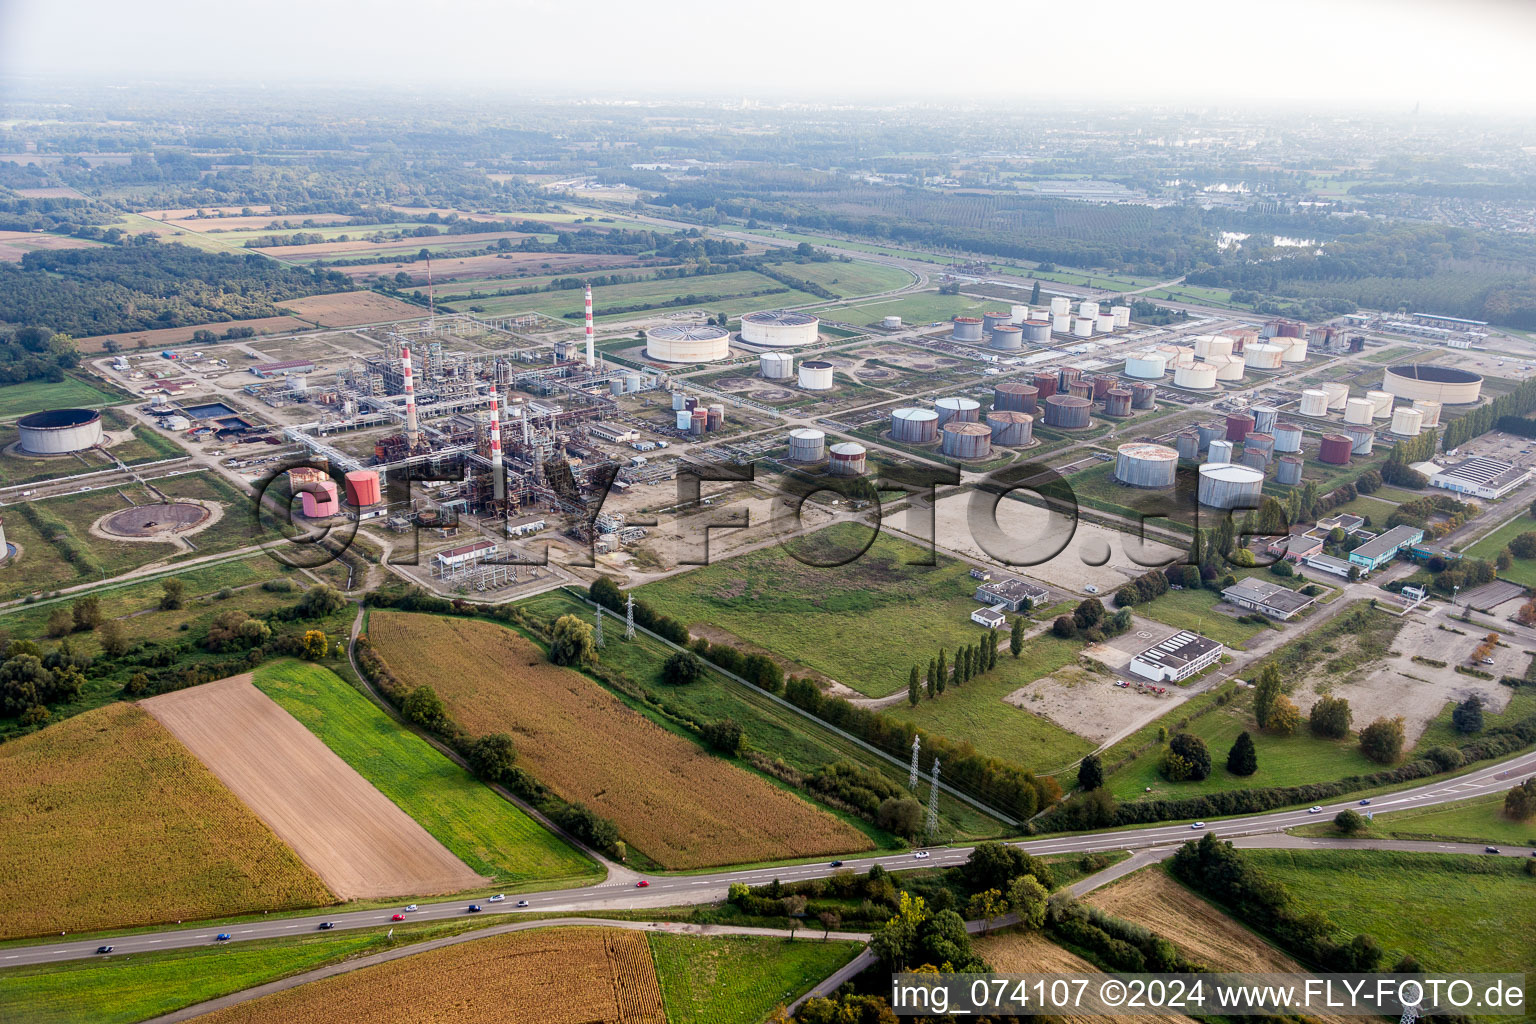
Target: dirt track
(350,834)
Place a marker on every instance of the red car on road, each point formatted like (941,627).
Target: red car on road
(642,884)
(398,917)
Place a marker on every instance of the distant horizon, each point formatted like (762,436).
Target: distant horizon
(1329,56)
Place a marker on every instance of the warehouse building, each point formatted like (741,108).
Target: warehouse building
(1011,593)
(1177,658)
(1381,549)
(467,554)
(1267,598)
(526,525)
(1481,477)
(615,432)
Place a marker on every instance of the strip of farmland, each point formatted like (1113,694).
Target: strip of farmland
(354,838)
(672,801)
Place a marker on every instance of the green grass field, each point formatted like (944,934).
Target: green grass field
(1283,760)
(977,713)
(862,624)
(799,742)
(915,309)
(729,293)
(17,400)
(1376,509)
(490,834)
(849,278)
(1195,610)
(128,988)
(1479,820)
(739,979)
(1453,913)
(1522,571)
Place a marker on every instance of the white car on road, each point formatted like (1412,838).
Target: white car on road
(921,855)
(1314,810)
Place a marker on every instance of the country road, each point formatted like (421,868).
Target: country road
(676,890)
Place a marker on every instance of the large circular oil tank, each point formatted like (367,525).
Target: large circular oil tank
(1229,485)
(779,328)
(59,431)
(1146,465)
(687,343)
(1448,385)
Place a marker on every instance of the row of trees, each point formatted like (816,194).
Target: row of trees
(971,661)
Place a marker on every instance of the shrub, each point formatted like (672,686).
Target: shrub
(1382,740)
(1349,821)
(1243,759)
(1330,717)
(492,757)
(1192,749)
(726,736)
(682,667)
(571,642)
(1468,716)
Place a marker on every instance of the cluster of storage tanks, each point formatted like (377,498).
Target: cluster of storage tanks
(1010,331)
(692,418)
(846,458)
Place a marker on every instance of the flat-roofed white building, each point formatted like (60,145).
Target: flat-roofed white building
(1177,658)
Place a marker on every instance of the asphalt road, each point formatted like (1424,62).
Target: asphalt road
(676,890)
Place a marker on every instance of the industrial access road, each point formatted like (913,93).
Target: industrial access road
(677,890)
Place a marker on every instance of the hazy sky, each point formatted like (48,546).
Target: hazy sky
(1449,54)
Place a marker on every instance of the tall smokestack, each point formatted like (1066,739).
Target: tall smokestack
(497,475)
(412,430)
(590,360)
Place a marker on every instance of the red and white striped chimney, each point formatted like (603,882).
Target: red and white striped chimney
(497,476)
(590,360)
(412,430)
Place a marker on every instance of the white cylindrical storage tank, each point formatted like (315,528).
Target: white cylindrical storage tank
(1220,451)
(1060,305)
(915,426)
(679,401)
(807,444)
(1287,437)
(1202,345)
(1147,364)
(1288,470)
(1007,338)
(1407,422)
(1228,485)
(1429,410)
(1208,432)
(1338,394)
(1140,464)
(1188,444)
(1104,323)
(1020,313)
(966,440)
(1262,356)
(59,431)
(1037,332)
(684,418)
(1176,353)
(616,386)
(1082,327)
(890,323)
(777,365)
(779,328)
(816,375)
(1264,417)
(1122,315)
(1362,438)
(1010,428)
(1297,352)
(1217,346)
(1228,367)
(966,328)
(687,343)
(1314,402)
(965,410)
(1198,376)
(1061,323)
(1381,404)
(846,459)
(1087,309)
(1358,410)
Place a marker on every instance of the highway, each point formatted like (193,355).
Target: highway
(677,890)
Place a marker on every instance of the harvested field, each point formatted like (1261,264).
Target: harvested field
(358,246)
(215,225)
(110,822)
(476,268)
(16,244)
(552,976)
(349,833)
(672,801)
(343,309)
(1032,953)
(1149,897)
(180,335)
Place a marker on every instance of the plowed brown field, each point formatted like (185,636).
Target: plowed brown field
(558,976)
(352,835)
(680,806)
(1030,953)
(110,822)
(1151,898)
